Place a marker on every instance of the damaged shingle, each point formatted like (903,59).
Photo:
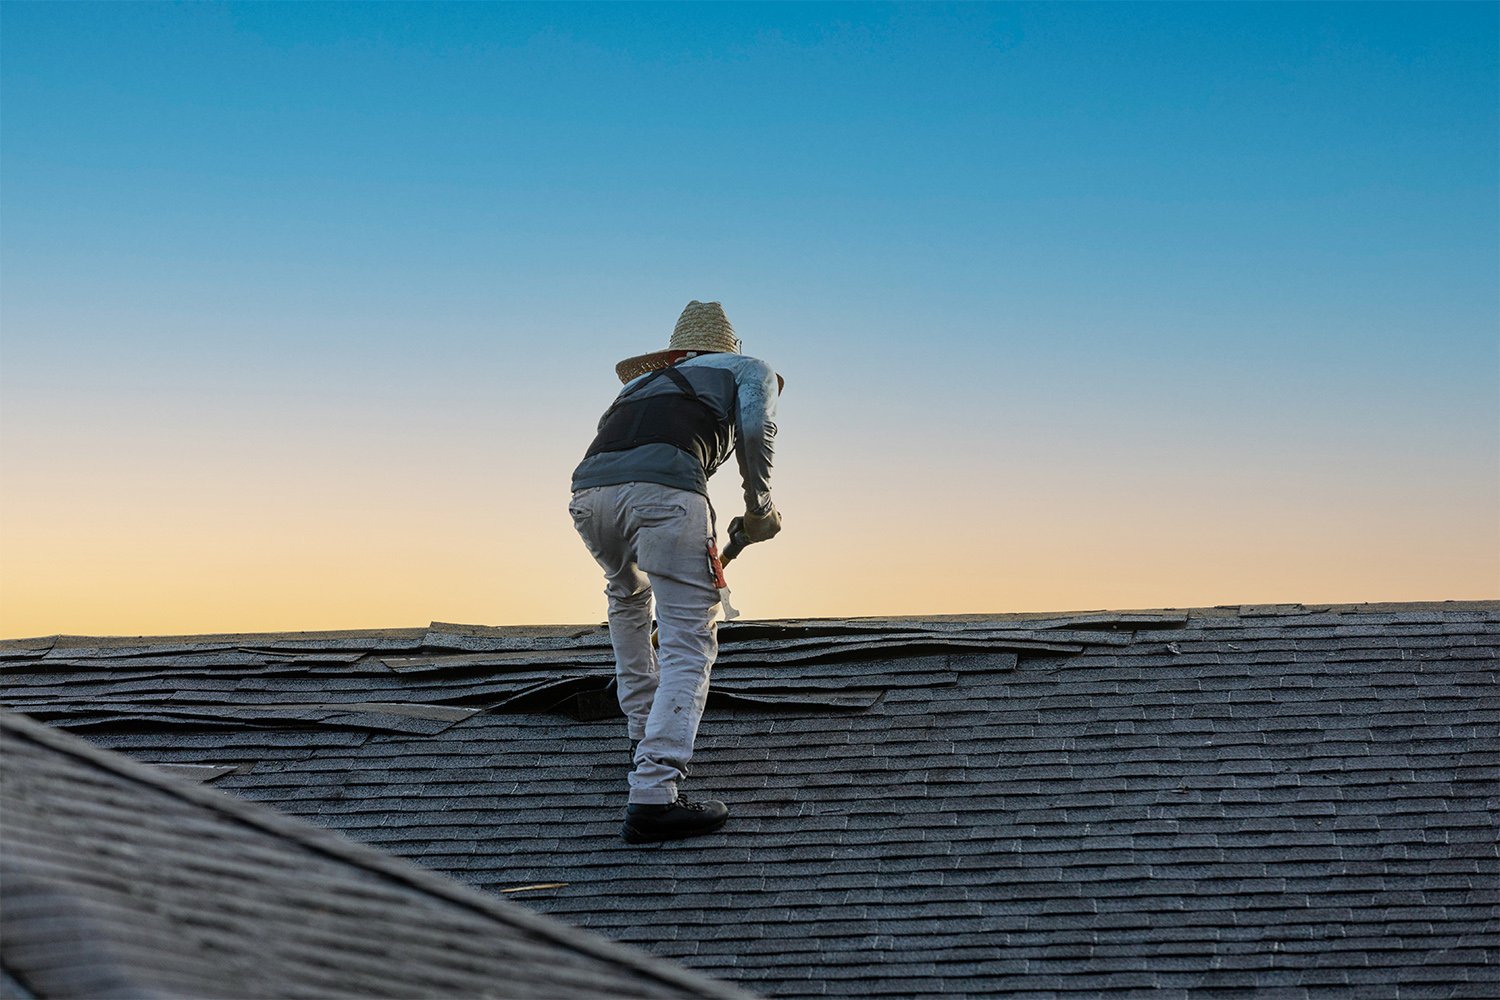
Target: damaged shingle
(1288,804)
(369,681)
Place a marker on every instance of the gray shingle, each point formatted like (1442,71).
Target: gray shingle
(122,881)
(1035,816)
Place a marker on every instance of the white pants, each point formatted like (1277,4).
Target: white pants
(652,540)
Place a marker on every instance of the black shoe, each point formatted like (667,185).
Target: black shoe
(647,824)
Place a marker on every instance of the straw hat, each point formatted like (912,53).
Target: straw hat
(701,329)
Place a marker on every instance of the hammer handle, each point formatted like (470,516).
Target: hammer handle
(737,541)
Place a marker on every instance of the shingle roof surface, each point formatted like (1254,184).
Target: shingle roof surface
(1287,799)
(121,882)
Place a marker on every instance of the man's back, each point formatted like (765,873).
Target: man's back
(739,392)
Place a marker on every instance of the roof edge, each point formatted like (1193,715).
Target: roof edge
(341,848)
(452,628)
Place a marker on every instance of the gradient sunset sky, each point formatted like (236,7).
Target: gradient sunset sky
(307,311)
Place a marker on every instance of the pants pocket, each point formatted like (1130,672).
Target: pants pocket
(651,515)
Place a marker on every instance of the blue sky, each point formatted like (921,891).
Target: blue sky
(1180,164)
(987,245)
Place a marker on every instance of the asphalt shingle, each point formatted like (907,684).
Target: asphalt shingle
(120,881)
(1223,800)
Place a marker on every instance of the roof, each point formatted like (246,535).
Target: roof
(120,881)
(1288,798)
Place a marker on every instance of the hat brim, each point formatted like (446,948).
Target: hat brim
(633,368)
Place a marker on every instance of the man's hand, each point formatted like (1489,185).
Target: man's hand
(762,527)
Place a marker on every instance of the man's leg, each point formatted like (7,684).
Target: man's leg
(635,660)
(598,515)
(671,534)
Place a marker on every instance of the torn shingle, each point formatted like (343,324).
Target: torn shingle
(1289,801)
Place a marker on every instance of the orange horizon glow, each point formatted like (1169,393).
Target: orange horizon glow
(120,547)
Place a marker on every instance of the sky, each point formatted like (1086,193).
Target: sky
(307,311)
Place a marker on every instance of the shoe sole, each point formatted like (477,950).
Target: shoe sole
(633,836)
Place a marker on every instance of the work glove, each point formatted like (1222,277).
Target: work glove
(762,527)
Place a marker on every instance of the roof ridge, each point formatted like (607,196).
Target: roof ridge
(237,639)
(337,846)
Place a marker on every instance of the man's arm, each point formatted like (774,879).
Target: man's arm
(755,432)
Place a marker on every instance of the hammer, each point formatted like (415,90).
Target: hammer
(737,541)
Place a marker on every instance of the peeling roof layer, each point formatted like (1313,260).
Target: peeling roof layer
(438,678)
(120,882)
(1278,798)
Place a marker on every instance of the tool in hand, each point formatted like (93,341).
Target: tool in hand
(737,541)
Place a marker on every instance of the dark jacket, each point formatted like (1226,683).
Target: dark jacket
(735,410)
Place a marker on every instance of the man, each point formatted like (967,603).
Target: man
(640,503)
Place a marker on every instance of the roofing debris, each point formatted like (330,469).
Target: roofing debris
(1291,799)
(120,881)
(423,682)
